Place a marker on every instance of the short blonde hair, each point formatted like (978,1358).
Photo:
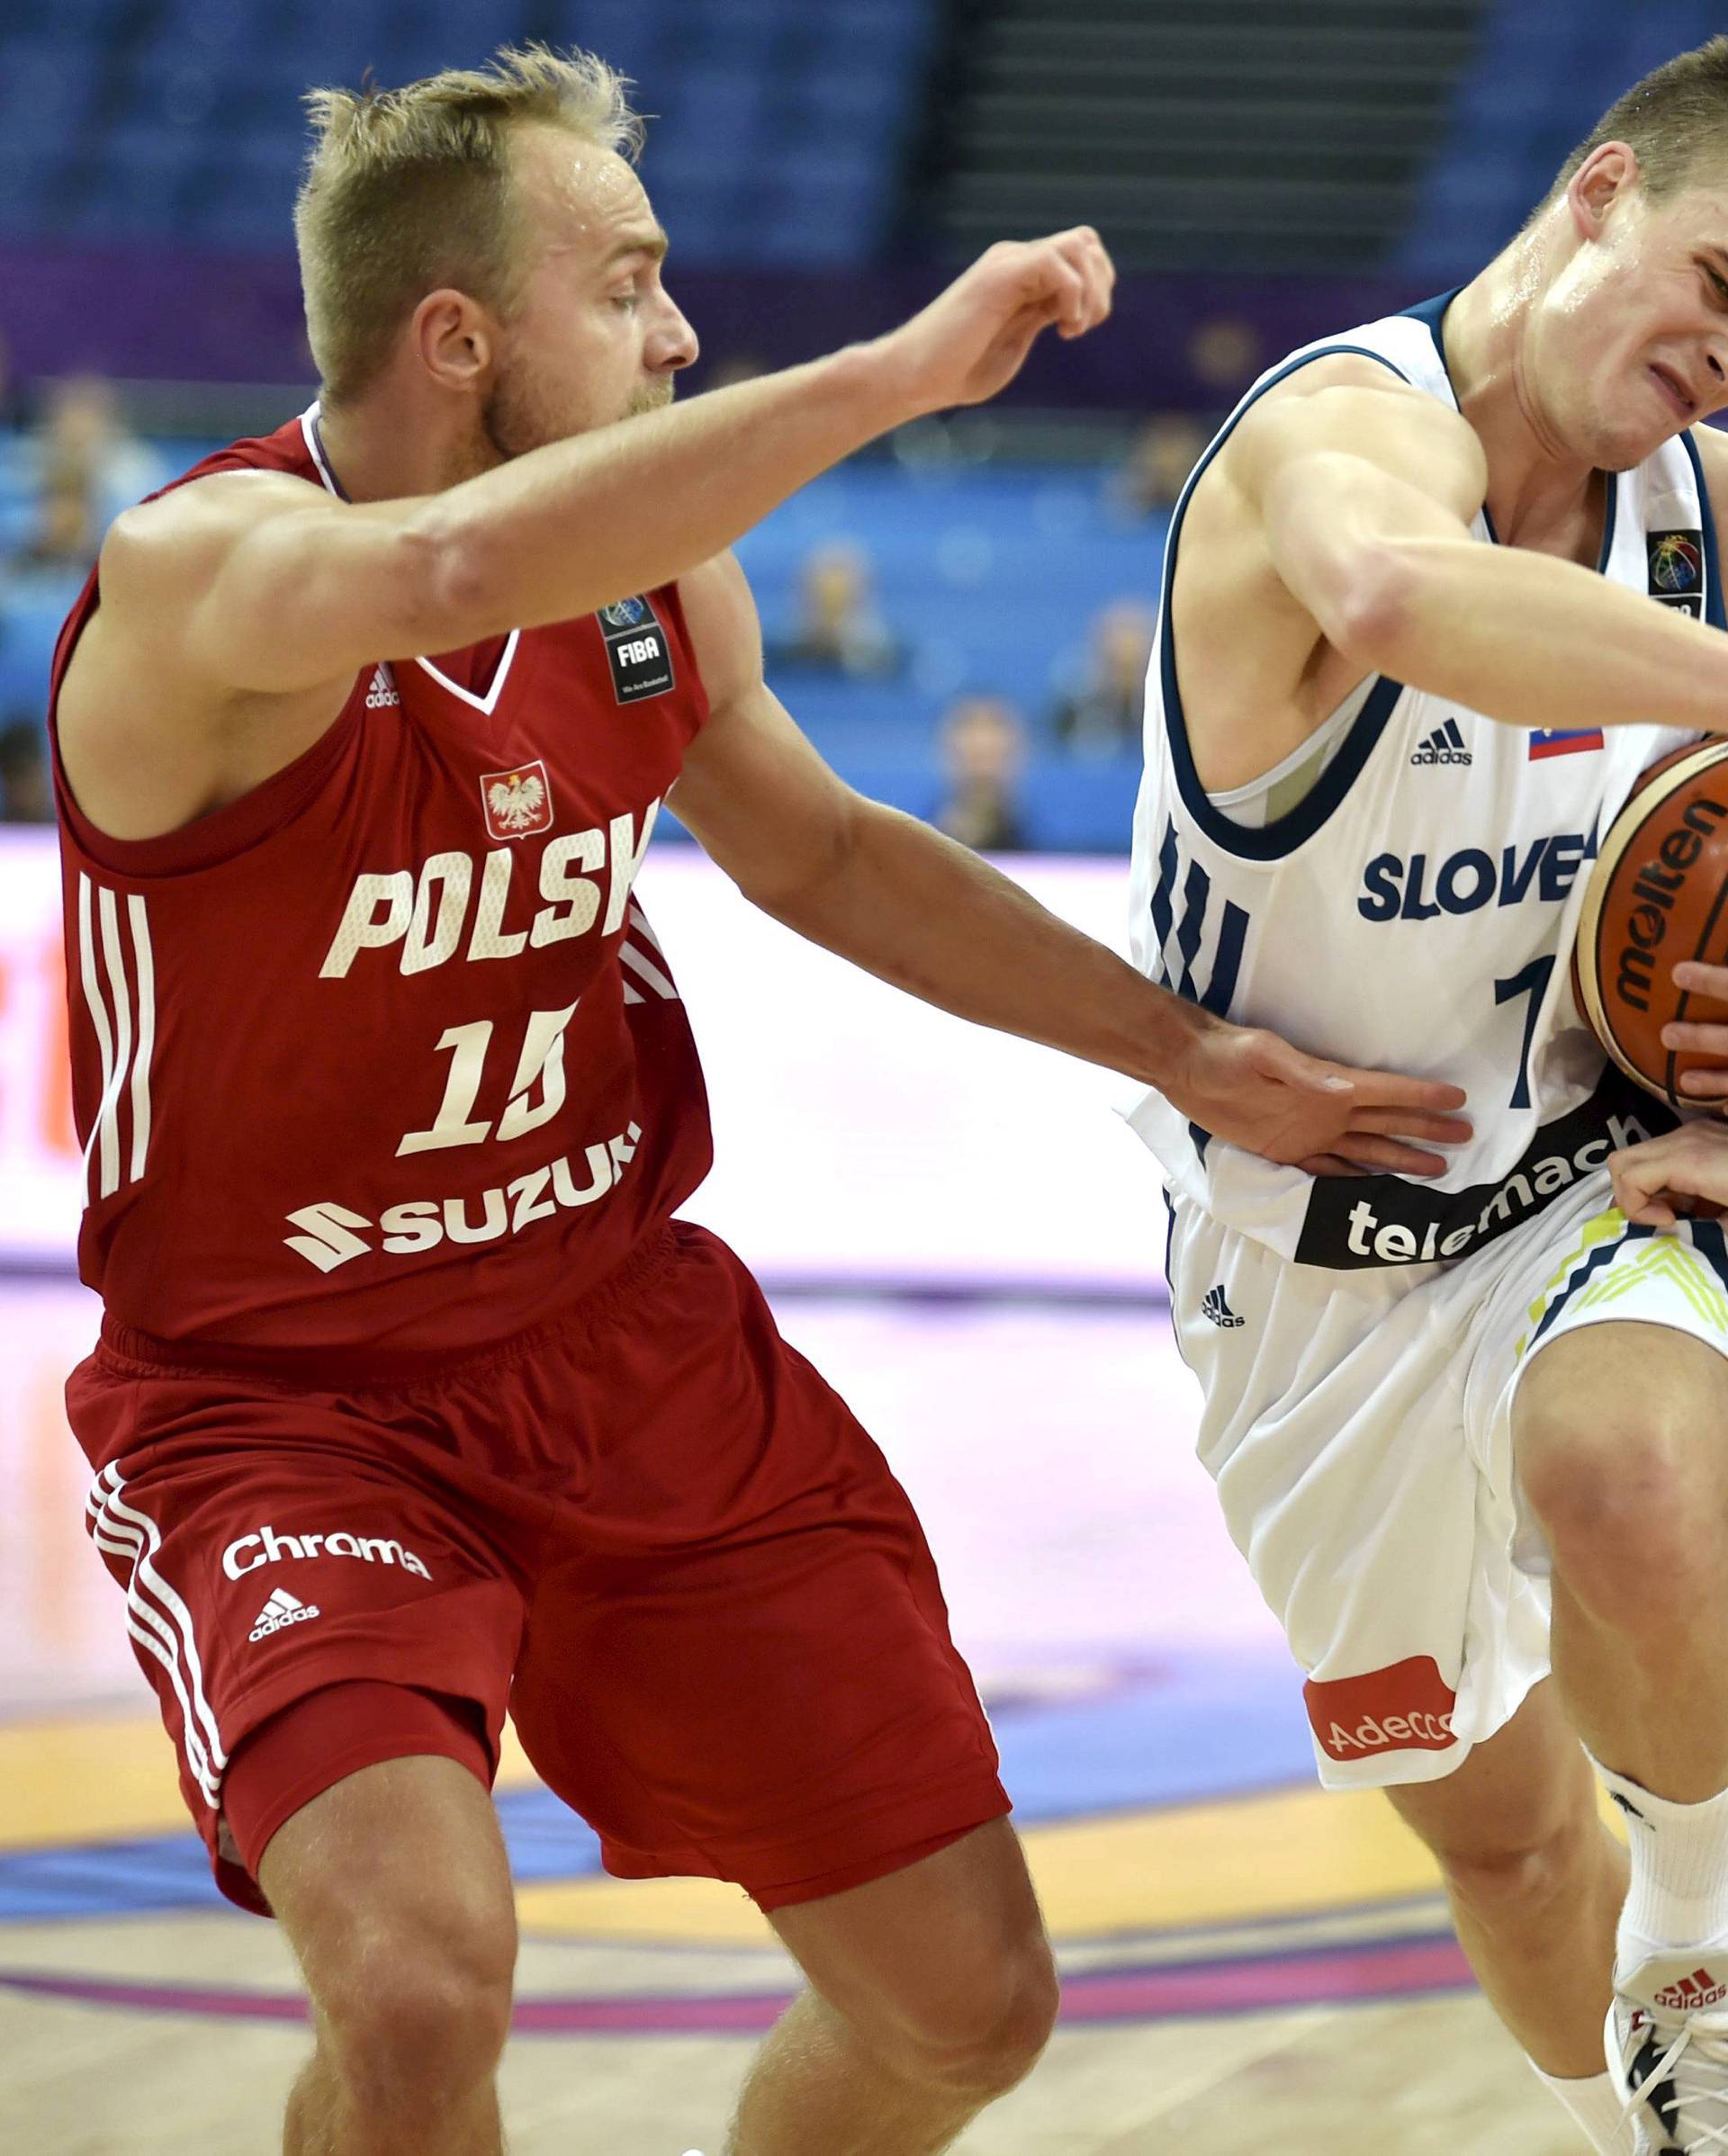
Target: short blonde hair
(1676,120)
(409,190)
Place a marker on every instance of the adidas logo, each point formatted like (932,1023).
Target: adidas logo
(1444,745)
(1213,1305)
(282,1610)
(381,696)
(1693,1993)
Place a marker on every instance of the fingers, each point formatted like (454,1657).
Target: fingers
(1328,1163)
(1412,1123)
(1086,255)
(1380,1088)
(1655,1181)
(1072,273)
(1691,1038)
(1699,979)
(1704,1086)
(1389,1156)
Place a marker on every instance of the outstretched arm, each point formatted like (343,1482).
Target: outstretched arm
(1364,490)
(909,905)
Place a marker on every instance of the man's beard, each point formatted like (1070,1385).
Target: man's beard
(513,424)
(655,395)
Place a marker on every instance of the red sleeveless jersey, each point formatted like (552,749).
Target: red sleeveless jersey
(384,1056)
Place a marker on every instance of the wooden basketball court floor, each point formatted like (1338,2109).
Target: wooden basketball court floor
(1249,1965)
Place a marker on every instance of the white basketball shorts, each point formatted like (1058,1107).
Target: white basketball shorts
(1359,1429)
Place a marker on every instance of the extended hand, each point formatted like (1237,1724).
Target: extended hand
(1254,1090)
(973,339)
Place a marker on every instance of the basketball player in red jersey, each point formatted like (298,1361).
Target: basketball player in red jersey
(413,1400)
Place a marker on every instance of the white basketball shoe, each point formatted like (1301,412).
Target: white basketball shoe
(1668,2054)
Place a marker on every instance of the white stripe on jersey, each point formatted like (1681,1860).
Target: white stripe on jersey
(125,1031)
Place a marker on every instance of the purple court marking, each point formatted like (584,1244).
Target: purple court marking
(1406,1968)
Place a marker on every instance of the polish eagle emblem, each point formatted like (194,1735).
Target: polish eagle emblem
(516,802)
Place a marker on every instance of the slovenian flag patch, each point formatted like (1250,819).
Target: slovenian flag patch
(1559,742)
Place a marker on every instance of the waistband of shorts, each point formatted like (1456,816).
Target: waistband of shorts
(128,1352)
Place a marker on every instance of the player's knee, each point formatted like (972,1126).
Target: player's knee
(1521,1873)
(1618,1496)
(421,2016)
(984,2031)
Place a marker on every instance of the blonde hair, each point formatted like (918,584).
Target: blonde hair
(1672,120)
(409,190)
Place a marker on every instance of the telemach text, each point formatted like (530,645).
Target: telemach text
(1385,1220)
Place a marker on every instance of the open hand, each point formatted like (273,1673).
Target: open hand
(1254,1089)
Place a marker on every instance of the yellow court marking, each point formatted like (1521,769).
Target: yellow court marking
(1288,1852)
(83,1781)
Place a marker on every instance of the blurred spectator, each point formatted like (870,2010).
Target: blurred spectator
(1225,355)
(1162,453)
(1101,717)
(66,534)
(81,429)
(840,630)
(984,746)
(25,795)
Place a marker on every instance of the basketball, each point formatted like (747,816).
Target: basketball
(1658,894)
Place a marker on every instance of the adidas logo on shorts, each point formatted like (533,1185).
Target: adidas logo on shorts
(1444,745)
(1213,1305)
(282,1610)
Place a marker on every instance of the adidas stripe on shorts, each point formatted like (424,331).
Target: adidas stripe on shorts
(1358,1427)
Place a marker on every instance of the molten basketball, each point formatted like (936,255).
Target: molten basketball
(1658,894)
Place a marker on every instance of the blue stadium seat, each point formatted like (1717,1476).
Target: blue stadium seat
(136,188)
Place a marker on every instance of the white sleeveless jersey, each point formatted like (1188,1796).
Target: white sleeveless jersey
(1414,911)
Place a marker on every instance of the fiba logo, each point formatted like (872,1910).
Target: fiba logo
(1676,562)
(623,614)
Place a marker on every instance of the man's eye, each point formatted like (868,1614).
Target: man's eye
(625,299)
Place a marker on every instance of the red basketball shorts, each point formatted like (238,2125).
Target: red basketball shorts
(650,1529)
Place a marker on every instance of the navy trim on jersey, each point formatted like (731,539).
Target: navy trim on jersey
(1714,612)
(1603,1254)
(1432,315)
(1269,841)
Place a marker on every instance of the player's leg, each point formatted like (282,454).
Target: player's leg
(393,1889)
(738,1662)
(933,1992)
(1536,1882)
(1622,1434)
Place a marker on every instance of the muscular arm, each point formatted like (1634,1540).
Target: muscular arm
(268,585)
(1364,490)
(909,905)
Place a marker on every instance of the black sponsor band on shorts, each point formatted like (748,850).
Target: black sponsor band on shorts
(1356,1223)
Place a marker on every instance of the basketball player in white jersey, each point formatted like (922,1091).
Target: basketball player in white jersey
(1441,588)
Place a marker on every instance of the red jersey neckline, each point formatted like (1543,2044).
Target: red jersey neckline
(486,703)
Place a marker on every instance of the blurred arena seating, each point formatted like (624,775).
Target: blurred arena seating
(1540,76)
(989,578)
(784,120)
(828,140)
